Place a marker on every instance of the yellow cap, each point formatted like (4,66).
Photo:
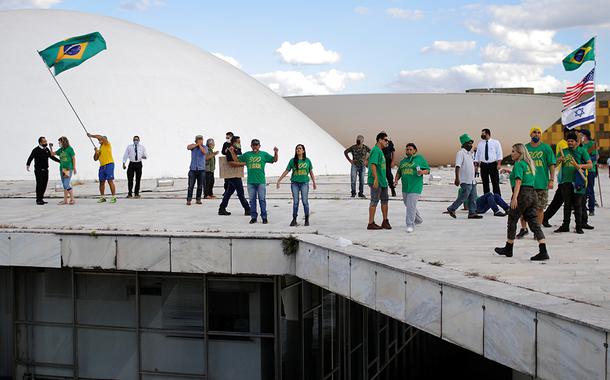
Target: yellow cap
(535,128)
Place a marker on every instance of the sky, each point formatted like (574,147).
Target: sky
(317,47)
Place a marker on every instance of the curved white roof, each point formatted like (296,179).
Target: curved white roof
(147,83)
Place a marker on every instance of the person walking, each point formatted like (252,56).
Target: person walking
(411,171)
(545,161)
(234,184)
(255,162)
(523,202)
(228,137)
(388,153)
(67,167)
(488,158)
(557,200)
(106,171)
(301,169)
(378,183)
(40,155)
(135,153)
(464,179)
(574,162)
(591,147)
(210,167)
(196,170)
(359,153)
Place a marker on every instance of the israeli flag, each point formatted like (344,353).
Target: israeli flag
(579,114)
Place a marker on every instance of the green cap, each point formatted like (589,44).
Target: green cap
(465,138)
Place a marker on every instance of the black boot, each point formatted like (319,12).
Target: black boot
(563,228)
(507,250)
(587,226)
(223,211)
(393,192)
(522,233)
(247,212)
(542,253)
(294,222)
(306,220)
(546,224)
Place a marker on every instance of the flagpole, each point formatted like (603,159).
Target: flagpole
(68,100)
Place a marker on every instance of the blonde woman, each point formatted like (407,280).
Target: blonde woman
(67,167)
(523,202)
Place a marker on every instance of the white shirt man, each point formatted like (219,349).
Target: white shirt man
(135,153)
(465,160)
(489,159)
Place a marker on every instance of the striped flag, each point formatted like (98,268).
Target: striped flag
(585,86)
(579,114)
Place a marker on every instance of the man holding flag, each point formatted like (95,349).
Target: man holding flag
(106,172)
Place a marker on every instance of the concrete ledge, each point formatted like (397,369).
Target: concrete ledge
(30,250)
(90,252)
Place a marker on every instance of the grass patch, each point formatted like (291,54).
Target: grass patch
(290,245)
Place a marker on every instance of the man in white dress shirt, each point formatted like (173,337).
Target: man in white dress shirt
(464,179)
(489,159)
(135,153)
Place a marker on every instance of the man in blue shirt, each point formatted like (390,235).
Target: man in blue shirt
(197,169)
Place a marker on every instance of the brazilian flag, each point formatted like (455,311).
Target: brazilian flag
(584,53)
(72,52)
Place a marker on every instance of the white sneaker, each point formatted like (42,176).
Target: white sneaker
(409,229)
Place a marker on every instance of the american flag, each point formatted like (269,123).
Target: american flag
(585,86)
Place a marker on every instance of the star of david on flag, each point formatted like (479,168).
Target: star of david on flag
(579,114)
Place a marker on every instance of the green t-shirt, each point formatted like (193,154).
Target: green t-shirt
(376,157)
(587,147)
(300,174)
(65,158)
(543,158)
(568,171)
(411,182)
(255,163)
(522,171)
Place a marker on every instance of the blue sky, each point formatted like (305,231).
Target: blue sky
(359,46)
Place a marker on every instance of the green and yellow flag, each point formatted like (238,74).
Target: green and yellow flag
(72,52)
(584,53)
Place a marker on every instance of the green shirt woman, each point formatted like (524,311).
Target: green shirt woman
(301,169)
(411,172)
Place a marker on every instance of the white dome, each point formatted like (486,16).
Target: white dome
(147,83)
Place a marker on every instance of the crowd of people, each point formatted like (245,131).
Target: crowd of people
(532,175)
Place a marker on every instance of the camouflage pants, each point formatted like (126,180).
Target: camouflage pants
(527,204)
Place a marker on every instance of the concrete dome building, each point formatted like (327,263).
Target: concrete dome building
(147,83)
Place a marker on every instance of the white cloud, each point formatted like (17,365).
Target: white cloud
(486,75)
(405,14)
(287,83)
(361,10)
(458,47)
(602,87)
(140,5)
(28,4)
(306,53)
(228,59)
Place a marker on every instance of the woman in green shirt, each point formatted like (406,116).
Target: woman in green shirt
(523,202)
(299,182)
(67,167)
(411,171)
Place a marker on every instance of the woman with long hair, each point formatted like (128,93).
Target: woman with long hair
(301,169)
(67,167)
(523,202)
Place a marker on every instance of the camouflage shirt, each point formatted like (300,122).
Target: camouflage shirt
(359,153)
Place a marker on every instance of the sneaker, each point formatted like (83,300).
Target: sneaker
(188,203)
(129,196)
(451,213)
(386,225)
(223,211)
(253,220)
(373,226)
(522,233)
(546,224)
(101,200)
(587,226)
(499,213)
(265,221)
(563,229)
(410,229)
(475,216)
(113,200)
(137,196)
(41,203)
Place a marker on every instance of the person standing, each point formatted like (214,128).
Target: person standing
(378,183)
(106,171)
(358,161)
(255,162)
(210,167)
(411,171)
(464,179)
(234,184)
(557,200)
(228,136)
(135,153)
(523,203)
(196,170)
(574,162)
(544,160)
(388,153)
(67,167)
(489,159)
(301,169)
(591,147)
(40,155)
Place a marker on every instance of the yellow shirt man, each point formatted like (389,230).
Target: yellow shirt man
(105,157)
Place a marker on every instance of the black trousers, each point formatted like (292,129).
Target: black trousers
(388,173)
(134,168)
(42,179)
(572,202)
(209,184)
(489,170)
(554,206)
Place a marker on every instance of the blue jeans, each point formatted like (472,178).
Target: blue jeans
(591,190)
(468,194)
(259,191)
(199,177)
(65,181)
(490,201)
(303,188)
(357,172)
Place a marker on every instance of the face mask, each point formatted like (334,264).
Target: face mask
(535,139)
(136,142)
(483,137)
(228,139)
(468,147)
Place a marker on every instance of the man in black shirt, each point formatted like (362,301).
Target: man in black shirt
(388,152)
(225,152)
(233,184)
(41,155)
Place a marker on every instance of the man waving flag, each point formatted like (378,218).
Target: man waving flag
(583,54)
(72,52)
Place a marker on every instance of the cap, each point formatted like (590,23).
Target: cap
(535,128)
(465,138)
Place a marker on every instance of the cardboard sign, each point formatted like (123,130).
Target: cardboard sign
(228,171)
